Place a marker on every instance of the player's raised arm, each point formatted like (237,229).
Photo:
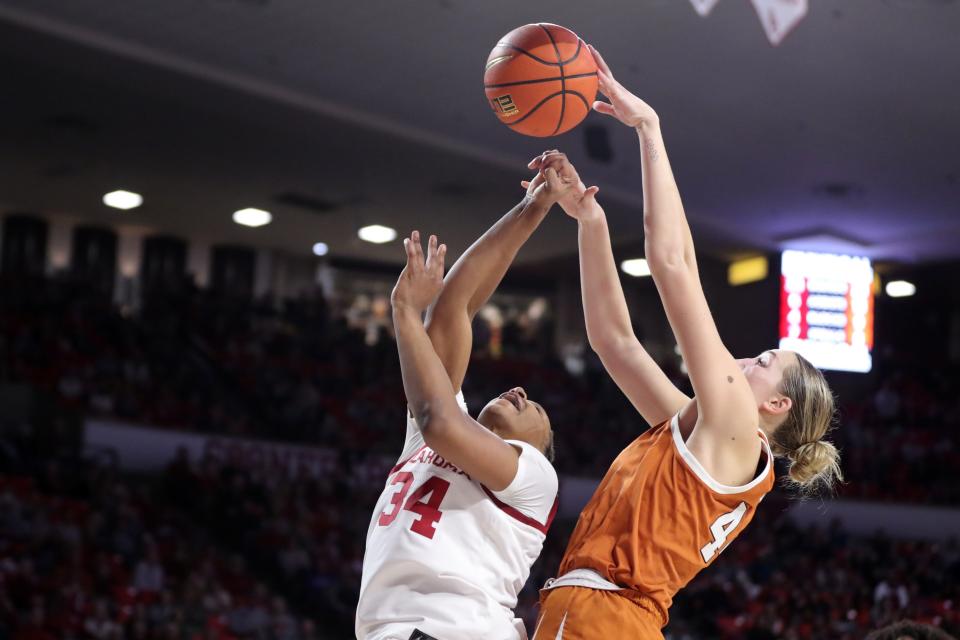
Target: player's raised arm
(476,275)
(446,428)
(726,405)
(609,329)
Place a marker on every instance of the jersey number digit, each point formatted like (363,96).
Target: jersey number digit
(406,478)
(429,511)
(721,528)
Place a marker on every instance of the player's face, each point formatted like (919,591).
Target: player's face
(765,371)
(512,415)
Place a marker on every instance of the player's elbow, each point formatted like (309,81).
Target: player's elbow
(666,259)
(450,305)
(607,343)
(435,422)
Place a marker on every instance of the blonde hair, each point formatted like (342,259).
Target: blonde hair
(814,462)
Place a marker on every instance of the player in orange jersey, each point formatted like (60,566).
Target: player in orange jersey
(682,491)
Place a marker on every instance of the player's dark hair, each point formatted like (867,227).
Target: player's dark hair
(548,449)
(909,630)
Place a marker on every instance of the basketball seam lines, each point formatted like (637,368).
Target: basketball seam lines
(563,78)
(582,98)
(575,55)
(510,84)
(549,97)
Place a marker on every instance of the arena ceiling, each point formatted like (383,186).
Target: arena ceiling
(334,115)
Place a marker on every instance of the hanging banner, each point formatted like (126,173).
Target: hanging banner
(704,7)
(779,17)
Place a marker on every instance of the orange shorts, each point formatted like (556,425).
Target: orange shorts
(581,613)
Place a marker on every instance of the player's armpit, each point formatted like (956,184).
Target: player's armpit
(725,401)
(476,450)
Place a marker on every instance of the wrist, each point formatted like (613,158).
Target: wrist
(590,215)
(648,125)
(405,311)
(532,204)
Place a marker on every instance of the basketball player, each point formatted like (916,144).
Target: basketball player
(681,492)
(465,511)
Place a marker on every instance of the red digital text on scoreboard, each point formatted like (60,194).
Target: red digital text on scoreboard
(826,309)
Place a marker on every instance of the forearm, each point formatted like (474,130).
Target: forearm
(425,382)
(667,238)
(610,331)
(604,305)
(475,276)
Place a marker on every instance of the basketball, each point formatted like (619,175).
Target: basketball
(540,80)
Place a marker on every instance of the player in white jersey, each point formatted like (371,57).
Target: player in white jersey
(464,513)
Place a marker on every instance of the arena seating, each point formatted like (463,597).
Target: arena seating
(206,550)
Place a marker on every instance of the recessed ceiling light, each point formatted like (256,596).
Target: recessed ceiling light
(252,217)
(635,267)
(900,289)
(377,233)
(121,199)
(320,249)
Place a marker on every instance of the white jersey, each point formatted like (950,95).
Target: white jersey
(447,556)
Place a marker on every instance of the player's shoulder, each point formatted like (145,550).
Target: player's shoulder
(751,491)
(532,498)
(531,455)
(535,473)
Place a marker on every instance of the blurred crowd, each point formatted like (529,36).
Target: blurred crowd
(306,372)
(207,550)
(210,549)
(779,581)
(200,552)
(86,553)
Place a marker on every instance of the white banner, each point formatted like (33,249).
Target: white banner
(867,518)
(779,17)
(148,449)
(145,449)
(704,7)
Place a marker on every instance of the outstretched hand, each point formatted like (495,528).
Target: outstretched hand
(623,105)
(421,279)
(546,187)
(563,183)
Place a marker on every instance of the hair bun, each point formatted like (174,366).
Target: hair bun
(805,452)
(814,462)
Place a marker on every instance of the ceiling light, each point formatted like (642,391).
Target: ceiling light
(900,289)
(320,249)
(377,234)
(635,267)
(252,217)
(123,199)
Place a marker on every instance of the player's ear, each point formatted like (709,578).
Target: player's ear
(778,405)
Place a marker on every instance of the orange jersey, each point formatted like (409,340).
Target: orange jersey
(658,518)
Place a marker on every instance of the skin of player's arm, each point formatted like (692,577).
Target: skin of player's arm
(727,411)
(473,279)
(724,399)
(609,330)
(446,428)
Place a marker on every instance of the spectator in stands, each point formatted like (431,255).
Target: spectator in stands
(907,630)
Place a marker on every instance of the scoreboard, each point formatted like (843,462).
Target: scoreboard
(826,309)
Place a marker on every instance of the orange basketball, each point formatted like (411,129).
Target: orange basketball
(540,80)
